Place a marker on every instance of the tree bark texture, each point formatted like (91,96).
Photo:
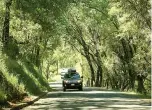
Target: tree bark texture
(6,25)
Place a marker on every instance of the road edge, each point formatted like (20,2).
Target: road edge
(28,103)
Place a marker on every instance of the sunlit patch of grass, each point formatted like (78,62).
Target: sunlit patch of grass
(12,78)
(23,77)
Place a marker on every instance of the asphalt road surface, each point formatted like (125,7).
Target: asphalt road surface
(89,99)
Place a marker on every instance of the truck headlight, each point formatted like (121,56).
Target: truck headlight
(66,81)
(79,81)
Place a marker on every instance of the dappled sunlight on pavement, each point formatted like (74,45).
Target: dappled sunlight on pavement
(90,100)
(88,104)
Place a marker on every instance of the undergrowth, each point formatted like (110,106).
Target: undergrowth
(18,77)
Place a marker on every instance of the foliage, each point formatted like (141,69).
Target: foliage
(110,39)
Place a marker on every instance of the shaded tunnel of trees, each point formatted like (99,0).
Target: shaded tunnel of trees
(110,39)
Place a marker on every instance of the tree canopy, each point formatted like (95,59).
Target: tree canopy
(109,39)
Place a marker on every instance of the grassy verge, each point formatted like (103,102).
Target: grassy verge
(20,77)
(2,96)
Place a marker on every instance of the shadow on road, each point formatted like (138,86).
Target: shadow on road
(92,93)
(93,104)
(91,100)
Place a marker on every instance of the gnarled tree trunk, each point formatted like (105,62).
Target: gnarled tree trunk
(5,34)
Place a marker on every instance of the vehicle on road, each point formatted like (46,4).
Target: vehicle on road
(72,80)
(63,72)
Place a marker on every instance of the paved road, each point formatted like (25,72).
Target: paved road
(89,99)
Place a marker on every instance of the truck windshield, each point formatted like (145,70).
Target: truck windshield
(76,76)
(72,76)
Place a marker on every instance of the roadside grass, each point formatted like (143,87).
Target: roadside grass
(22,76)
(9,84)
(33,81)
(2,96)
(38,75)
(132,92)
(147,96)
(139,95)
(31,85)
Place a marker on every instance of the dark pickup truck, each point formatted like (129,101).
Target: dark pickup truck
(72,80)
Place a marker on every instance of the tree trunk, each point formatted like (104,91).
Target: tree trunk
(92,73)
(37,58)
(128,55)
(88,82)
(5,34)
(141,88)
(132,79)
(87,56)
(107,83)
(100,78)
(97,78)
(98,82)
(47,71)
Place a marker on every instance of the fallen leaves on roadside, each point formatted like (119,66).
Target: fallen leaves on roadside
(12,105)
(27,99)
